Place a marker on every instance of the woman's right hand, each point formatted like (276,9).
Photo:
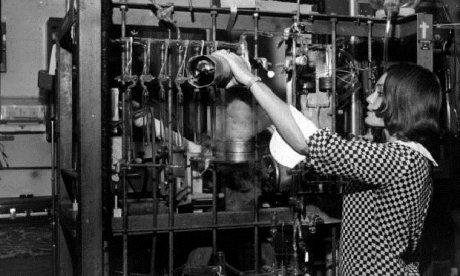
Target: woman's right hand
(241,70)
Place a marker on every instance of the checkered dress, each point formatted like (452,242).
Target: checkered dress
(385,203)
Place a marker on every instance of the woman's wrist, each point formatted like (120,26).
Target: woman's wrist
(252,81)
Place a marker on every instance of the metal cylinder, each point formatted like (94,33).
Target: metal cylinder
(237,143)
(115,92)
(208,70)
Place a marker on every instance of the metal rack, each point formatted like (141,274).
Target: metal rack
(79,227)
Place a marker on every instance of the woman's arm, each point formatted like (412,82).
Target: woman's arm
(280,114)
(377,164)
(278,111)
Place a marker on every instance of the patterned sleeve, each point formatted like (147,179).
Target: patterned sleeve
(371,163)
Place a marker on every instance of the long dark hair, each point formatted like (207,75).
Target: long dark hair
(411,103)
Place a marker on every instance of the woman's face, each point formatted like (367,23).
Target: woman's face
(374,101)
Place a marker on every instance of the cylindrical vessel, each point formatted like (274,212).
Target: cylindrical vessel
(115,104)
(239,118)
(207,70)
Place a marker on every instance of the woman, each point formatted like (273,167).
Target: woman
(386,200)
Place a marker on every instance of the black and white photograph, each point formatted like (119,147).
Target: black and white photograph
(230,137)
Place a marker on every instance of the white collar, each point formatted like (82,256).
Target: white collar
(419,148)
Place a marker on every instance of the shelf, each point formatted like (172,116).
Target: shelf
(23,204)
(142,224)
(201,221)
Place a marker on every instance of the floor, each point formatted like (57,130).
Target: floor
(26,266)
(25,249)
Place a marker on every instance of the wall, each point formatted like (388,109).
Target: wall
(26,55)
(26,44)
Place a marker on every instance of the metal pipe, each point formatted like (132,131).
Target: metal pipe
(195,228)
(162,77)
(256,179)
(214,26)
(127,160)
(256,38)
(146,60)
(198,109)
(123,10)
(334,73)
(106,252)
(154,194)
(125,225)
(213,89)
(369,55)
(298,11)
(53,201)
(126,76)
(146,77)
(448,90)
(294,72)
(214,211)
(179,100)
(353,10)
(191,42)
(170,162)
(248,11)
(355,113)
(388,35)
(334,248)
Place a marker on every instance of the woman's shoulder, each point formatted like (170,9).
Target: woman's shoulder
(417,157)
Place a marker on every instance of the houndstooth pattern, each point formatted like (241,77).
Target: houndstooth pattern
(385,202)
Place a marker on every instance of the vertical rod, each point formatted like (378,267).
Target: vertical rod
(145,77)
(298,11)
(333,65)
(256,158)
(214,210)
(293,95)
(213,130)
(106,249)
(154,220)
(369,54)
(170,102)
(163,56)
(154,192)
(146,61)
(125,225)
(353,11)
(126,139)
(53,201)
(170,162)
(199,115)
(125,147)
(123,9)
(213,89)
(388,35)
(334,248)
(126,76)
(214,27)
(355,113)
(198,110)
(179,99)
(125,155)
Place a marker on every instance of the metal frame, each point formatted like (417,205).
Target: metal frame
(78,143)
(78,136)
